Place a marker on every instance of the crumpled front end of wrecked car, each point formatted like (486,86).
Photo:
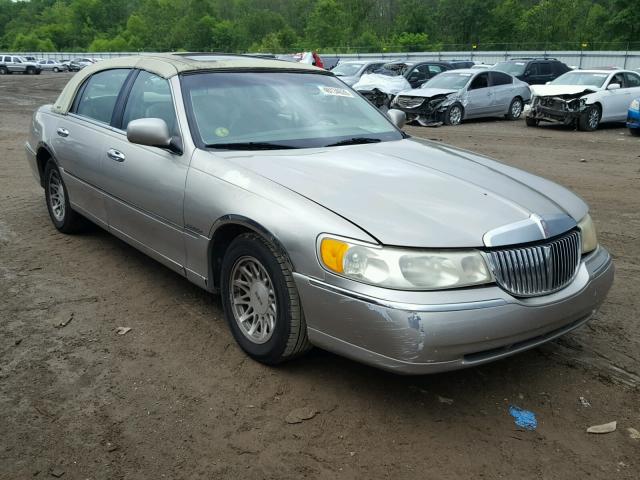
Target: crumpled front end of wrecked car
(426,111)
(560,108)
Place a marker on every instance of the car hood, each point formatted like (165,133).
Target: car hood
(556,90)
(426,92)
(413,192)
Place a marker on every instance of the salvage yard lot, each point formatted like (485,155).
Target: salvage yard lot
(175,397)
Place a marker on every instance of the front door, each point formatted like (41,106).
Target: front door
(480,98)
(145,185)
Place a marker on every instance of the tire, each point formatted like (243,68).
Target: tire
(531,122)
(4,71)
(515,109)
(590,119)
(62,216)
(56,69)
(30,71)
(635,132)
(454,114)
(270,289)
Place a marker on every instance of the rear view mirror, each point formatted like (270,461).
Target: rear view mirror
(397,117)
(152,132)
(613,86)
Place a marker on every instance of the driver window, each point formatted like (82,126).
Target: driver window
(150,97)
(481,81)
(619,79)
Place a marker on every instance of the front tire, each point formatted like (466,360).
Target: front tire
(261,302)
(63,217)
(454,115)
(590,119)
(531,122)
(635,132)
(56,69)
(30,71)
(515,109)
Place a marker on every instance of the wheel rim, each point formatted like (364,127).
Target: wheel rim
(56,196)
(516,109)
(455,115)
(253,300)
(594,118)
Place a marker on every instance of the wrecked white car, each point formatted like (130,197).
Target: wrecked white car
(457,95)
(584,98)
(380,89)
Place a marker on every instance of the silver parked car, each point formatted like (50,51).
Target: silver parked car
(351,71)
(52,65)
(14,64)
(458,95)
(314,216)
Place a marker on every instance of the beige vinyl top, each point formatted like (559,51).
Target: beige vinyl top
(167,65)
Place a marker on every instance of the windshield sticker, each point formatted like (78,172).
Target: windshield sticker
(221,132)
(335,91)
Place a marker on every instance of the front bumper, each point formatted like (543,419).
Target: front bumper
(549,114)
(451,329)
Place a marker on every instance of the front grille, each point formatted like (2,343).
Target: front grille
(410,102)
(538,269)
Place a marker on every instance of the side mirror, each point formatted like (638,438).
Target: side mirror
(152,132)
(547,83)
(613,86)
(397,117)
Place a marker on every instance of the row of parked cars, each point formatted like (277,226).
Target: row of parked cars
(433,93)
(29,65)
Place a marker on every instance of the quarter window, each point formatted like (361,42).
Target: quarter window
(100,94)
(150,97)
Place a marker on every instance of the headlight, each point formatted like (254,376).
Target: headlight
(406,269)
(635,105)
(589,237)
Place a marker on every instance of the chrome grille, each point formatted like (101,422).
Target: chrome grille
(538,269)
(410,102)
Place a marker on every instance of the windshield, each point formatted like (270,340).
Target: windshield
(512,68)
(581,78)
(287,110)
(453,81)
(347,69)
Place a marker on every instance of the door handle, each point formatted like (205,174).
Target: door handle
(115,155)
(63,132)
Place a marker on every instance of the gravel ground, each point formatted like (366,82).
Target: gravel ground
(175,397)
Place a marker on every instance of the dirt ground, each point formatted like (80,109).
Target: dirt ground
(175,397)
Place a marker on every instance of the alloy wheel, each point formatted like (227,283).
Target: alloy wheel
(253,299)
(594,118)
(56,196)
(455,115)
(516,108)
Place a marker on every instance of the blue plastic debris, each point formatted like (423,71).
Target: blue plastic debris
(523,418)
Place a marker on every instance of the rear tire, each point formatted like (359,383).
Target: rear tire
(4,71)
(454,115)
(531,122)
(635,132)
(590,119)
(258,291)
(63,217)
(515,109)
(56,69)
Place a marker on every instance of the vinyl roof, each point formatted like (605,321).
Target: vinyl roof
(167,65)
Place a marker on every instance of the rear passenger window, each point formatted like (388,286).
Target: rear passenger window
(150,97)
(100,94)
(545,68)
(499,78)
(633,80)
(435,69)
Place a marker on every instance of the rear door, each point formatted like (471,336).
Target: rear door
(79,138)
(502,90)
(145,185)
(480,98)
(615,103)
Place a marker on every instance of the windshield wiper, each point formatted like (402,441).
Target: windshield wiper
(249,146)
(355,141)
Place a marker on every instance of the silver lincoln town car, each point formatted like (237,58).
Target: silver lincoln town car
(316,218)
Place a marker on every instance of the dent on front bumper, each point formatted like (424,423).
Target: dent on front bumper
(479,326)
